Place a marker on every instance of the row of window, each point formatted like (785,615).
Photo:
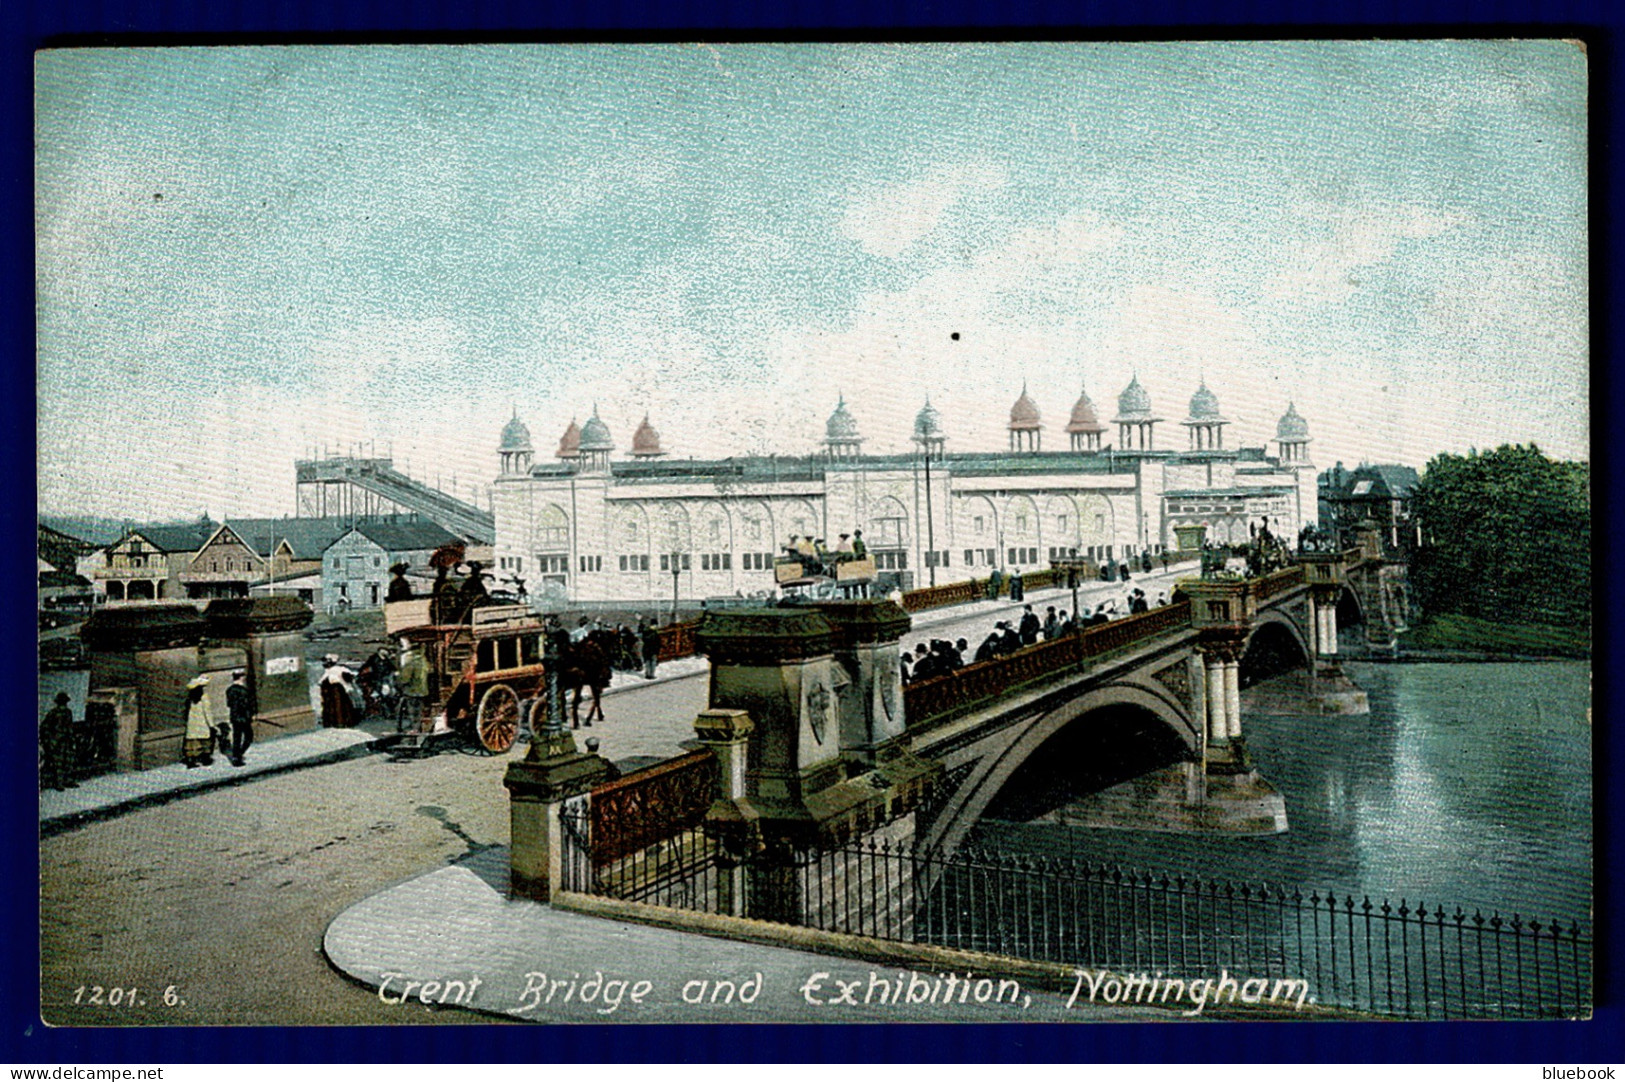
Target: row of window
(338,563)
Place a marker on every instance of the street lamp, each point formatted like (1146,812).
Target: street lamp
(676,572)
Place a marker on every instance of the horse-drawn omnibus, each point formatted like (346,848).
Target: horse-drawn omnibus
(482,671)
(832,577)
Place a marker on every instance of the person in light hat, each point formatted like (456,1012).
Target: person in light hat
(197,746)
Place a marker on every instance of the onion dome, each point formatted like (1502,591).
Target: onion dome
(1083,416)
(646,441)
(515,436)
(1134,404)
(570,442)
(1024,414)
(1292,428)
(928,423)
(1205,404)
(841,426)
(595,434)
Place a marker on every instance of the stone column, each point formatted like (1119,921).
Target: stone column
(552,773)
(727,734)
(1218,729)
(1232,697)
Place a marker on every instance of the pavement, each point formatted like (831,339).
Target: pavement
(111,794)
(454,938)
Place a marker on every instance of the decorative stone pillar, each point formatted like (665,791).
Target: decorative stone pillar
(552,773)
(727,734)
(268,631)
(826,756)
(870,697)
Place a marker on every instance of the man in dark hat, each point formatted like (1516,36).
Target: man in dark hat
(399,588)
(240,705)
(56,746)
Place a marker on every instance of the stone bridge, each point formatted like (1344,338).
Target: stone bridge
(818,741)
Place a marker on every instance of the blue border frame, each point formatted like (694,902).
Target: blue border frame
(39,22)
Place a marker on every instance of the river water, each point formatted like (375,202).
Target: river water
(1467,784)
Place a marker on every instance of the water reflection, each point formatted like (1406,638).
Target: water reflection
(1466,784)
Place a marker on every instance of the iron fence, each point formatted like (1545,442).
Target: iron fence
(1404,961)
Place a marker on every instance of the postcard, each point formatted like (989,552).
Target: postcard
(863,533)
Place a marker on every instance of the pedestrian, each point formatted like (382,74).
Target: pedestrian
(241,706)
(413,682)
(197,744)
(399,588)
(1052,624)
(902,664)
(1029,627)
(989,648)
(56,740)
(1018,586)
(632,643)
(338,710)
(651,649)
(961,648)
(995,579)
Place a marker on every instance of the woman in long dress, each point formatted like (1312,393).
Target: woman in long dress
(198,744)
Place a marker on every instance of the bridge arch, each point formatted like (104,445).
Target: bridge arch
(1349,609)
(993,770)
(1275,645)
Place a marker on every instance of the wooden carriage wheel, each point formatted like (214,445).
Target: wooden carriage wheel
(498,721)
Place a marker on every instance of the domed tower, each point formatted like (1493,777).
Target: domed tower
(1026,430)
(514,449)
(1136,427)
(1084,427)
(646,441)
(1292,433)
(570,443)
(595,444)
(841,438)
(928,431)
(1205,423)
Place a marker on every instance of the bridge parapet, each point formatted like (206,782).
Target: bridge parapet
(931,703)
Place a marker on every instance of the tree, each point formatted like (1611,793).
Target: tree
(1506,536)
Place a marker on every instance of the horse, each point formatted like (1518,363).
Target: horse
(586,664)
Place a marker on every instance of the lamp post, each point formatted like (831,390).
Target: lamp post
(676,573)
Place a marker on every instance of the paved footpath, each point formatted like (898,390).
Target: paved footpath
(455,934)
(110,794)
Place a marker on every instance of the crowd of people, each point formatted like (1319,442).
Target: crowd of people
(941,656)
(630,649)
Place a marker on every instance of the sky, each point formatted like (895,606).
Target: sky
(245,255)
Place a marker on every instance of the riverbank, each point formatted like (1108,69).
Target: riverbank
(1453,637)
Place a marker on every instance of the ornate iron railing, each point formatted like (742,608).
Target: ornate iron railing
(931,702)
(951,593)
(651,805)
(676,641)
(969,590)
(1334,950)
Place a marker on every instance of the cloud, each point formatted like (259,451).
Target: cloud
(892,220)
(1321,270)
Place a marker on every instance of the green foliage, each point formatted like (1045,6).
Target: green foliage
(1455,632)
(1507,537)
